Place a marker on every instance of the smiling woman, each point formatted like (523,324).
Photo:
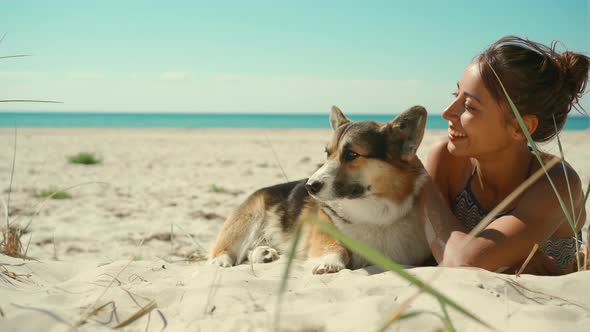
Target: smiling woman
(486,157)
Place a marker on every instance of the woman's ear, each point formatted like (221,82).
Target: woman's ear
(530,121)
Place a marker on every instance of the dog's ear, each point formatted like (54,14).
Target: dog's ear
(337,118)
(406,131)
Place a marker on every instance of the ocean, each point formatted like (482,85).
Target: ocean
(208,120)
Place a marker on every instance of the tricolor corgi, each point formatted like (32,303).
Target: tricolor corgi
(367,188)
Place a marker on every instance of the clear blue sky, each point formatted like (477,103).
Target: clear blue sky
(261,56)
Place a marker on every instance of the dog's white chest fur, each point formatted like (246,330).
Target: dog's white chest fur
(390,228)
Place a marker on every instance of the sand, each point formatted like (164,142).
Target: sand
(134,233)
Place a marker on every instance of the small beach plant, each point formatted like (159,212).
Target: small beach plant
(84,158)
(217,189)
(53,194)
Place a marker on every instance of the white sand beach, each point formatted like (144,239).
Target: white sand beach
(138,224)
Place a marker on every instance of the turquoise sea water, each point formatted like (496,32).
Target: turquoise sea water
(208,120)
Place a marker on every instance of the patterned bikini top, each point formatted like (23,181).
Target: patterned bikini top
(469,212)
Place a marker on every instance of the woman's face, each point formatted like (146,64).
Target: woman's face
(477,124)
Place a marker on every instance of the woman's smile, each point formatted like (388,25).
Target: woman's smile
(456,134)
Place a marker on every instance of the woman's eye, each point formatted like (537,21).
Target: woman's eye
(468,107)
(349,155)
(455,94)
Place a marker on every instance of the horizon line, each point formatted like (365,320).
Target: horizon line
(572,114)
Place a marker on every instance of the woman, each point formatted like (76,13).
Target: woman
(486,157)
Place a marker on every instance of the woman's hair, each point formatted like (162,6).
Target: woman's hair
(539,80)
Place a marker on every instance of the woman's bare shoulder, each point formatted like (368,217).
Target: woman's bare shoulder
(562,174)
(541,201)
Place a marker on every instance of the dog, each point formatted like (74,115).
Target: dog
(367,188)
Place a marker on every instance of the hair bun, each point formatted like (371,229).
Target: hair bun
(575,68)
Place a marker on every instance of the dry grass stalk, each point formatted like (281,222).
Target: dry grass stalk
(54,248)
(143,310)
(162,317)
(11,244)
(113,311)
(215,284)
(544,296)
(14,276)
(140,313)
(85,315)
(587,256)
(528,259)
(90,312)
(8,273)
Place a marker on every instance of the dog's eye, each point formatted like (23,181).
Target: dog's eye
(349,155)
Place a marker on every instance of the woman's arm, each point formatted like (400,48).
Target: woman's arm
(438,220)
(507,240)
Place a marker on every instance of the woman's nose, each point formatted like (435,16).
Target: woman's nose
(453,111)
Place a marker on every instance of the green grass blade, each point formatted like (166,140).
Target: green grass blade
(385,263)
(412,314)
(447,319)
(573,223)
(585,200)
(569,188)
(534,146)
(285,276)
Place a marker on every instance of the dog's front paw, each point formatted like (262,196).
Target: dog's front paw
(330,263)
(223,260)
(263,254)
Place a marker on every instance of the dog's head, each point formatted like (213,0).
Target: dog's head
(369,161)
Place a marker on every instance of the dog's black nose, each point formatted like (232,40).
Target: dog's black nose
(314,187)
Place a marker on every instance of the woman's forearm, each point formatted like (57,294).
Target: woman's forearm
(440,226)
